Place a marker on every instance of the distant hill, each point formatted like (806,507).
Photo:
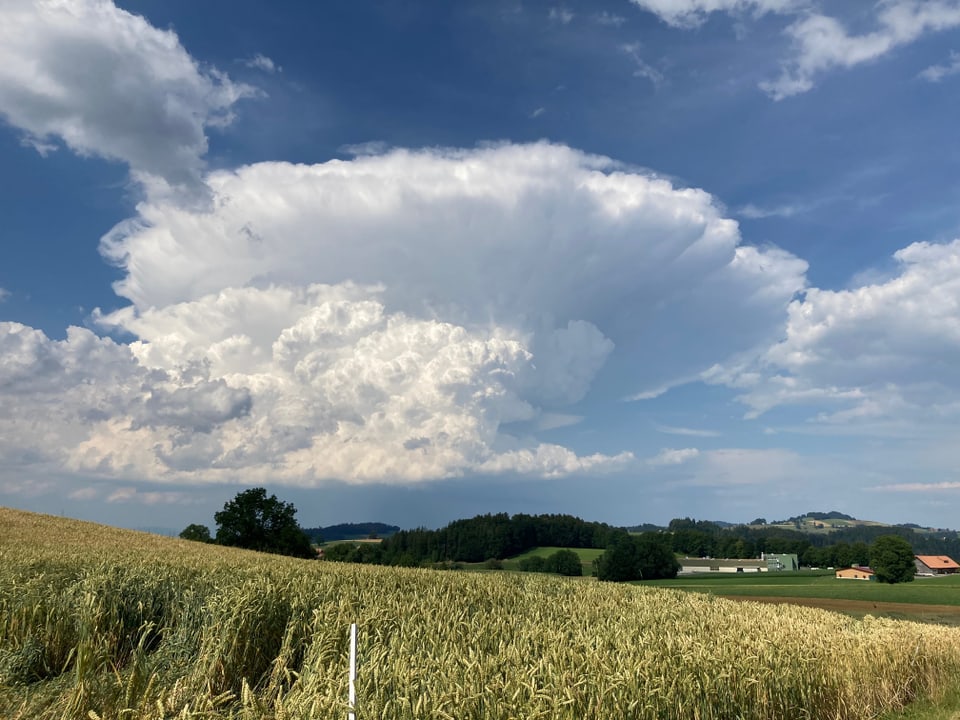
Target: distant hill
(352,531)
(832,515)
(820,522)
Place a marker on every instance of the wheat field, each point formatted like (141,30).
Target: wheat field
(97,622)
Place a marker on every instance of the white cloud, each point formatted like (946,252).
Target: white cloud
(822,43)
(4,294)
(754,212)
(561,15)
(150,497)
(879,352)
(692,13)
(936,73)
(728,467)
(262,62)
(919,487)
(643,68)
(41,147)
(648,394)
(691,432)
(552,421)
(393,318)
(106,83)
(568,250)
(669,456)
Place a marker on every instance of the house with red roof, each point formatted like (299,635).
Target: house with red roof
(935,565)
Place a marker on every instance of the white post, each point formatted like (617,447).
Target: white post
(353,671)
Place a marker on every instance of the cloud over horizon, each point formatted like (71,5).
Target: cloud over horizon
(393,317)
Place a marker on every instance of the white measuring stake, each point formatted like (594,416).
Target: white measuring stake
(353,671)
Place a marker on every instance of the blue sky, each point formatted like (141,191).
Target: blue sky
(631,260)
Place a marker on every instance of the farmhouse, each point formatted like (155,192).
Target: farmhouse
(935,565)
(855,573)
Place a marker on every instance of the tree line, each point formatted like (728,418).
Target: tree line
(484,537)
(838,548)
(255,521)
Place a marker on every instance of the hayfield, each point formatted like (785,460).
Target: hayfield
(104,623)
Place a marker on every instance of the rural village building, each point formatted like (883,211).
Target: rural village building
(935,565)
(855,573)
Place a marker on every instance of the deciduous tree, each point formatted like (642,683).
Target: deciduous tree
(891,558)
(257,522)
(199,533)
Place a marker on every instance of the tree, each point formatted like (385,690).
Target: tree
(257,522)
(638,557)
(618,563)
(655,559)
(564,562)
(891,558)
(199,533)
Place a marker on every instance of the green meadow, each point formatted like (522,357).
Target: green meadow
(819,584)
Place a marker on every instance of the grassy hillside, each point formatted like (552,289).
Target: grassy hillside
(104,623)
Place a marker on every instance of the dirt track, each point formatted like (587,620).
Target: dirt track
(940,614)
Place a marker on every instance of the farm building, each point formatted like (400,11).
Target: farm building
(855,573)
(935,565)
(703,565)
(767,562)
(777,562)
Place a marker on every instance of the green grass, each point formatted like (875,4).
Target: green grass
(587,556)
(947,708)
(925,591)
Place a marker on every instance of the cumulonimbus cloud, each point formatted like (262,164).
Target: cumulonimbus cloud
(398,318)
